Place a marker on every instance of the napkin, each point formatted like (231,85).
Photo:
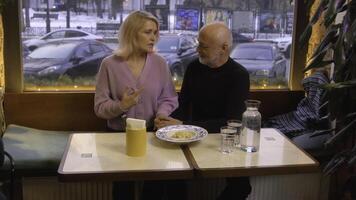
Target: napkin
(135,124)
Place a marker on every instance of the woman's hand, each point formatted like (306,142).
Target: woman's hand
(130,98)
(162,121)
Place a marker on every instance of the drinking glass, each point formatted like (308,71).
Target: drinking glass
(227,139)
(235,124)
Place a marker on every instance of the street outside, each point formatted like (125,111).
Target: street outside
(89,23)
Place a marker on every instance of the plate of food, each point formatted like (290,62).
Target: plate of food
(181,133)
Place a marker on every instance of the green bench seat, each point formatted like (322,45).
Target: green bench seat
(34,150)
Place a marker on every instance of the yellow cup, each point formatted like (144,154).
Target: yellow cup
(136,142)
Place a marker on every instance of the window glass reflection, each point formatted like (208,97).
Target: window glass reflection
(261,31)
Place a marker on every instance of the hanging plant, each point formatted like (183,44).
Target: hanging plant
(340,39)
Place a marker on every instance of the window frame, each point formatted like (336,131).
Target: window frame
(13,49)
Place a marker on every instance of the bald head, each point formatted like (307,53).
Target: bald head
(215,42)
(217,33)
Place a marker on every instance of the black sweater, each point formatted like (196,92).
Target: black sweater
(209,97)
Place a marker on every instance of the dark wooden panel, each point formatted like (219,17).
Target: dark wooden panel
(277,102)
(53,111)
(74,111)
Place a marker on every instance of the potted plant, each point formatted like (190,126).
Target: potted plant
(340,39)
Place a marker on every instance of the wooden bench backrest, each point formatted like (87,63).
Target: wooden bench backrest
(74,111)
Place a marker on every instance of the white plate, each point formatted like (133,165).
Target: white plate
(168,132)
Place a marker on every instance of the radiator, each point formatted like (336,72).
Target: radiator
(312,186)
(48,188)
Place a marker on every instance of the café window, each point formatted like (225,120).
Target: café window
(64,41)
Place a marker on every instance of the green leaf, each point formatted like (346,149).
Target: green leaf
(350,115)
(321,132)
(318,65)
(309,4)
(352,161)
(339,54)
(330,13)
(334,102)
(353,31)
(342,9)
(330,20)
(327,39)
(350,35)
(304,38)
(319,11)
(338,160)
(340,85)
(339,134)
(340,70)
(317,61)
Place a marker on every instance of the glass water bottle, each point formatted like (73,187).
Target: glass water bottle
(251,127)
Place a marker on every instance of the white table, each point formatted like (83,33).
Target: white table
(102,156)
(277,155)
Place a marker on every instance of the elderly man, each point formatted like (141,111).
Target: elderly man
(214,87)
(213,91)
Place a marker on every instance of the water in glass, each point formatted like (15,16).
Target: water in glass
(235,124)
(227,139)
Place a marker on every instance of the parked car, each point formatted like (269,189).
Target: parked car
(59,35)
(58,6)
(239,38)
(284,44)
(261,59)
(179,50)
(25,50)
(72,58)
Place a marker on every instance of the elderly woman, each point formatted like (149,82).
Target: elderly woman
(135,81)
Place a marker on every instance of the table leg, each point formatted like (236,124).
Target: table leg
(137,189)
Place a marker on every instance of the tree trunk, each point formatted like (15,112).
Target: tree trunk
(27,13)
(153,2)
(68,14)
(116,6)
(48,20)
(99,10)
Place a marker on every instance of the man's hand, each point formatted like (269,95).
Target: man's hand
(162,121)
(130,98)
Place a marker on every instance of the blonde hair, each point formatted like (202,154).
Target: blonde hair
(128,32)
